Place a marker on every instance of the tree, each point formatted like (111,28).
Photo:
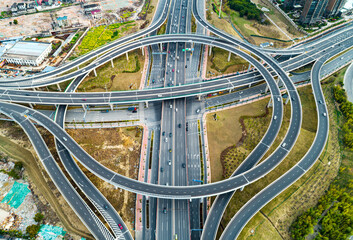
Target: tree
(10,23)
(38,217)
(32,230)
(15,22)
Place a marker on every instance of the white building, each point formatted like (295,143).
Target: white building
(27,53)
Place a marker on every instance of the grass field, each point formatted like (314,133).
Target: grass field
(115,79)
(218,63)
(298,197)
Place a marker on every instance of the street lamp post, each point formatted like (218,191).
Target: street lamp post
(220,10)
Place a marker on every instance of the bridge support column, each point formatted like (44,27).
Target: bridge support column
(78,67)
(287,100)
(229,55)
(111,107)
(84,107)
(269,103)
(34,89)
(59,88)
(241,189)
(143,51)
(95,73)
(199,97)
(210,51)
(160,47)
(127,56)
(111,61)
(30,104)
(266,90)
(249,67)
(146,104)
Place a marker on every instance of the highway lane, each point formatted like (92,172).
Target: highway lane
(262,198)
(93,194)
(143,188)
(89,219)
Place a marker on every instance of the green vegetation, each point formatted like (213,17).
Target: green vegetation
(193,24)
(15,172)
(246,8)
(32,230)
(5,14)
(335,213)
(147,8)
(101,35)
(15,21)
(12,233)
(38,217)
(162,29)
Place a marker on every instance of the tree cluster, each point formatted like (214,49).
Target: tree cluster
(246,8)
(347,110)
(334,212)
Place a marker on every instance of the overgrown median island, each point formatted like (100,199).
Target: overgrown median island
(274,220)
(119,150)
(218,64)
(125,75)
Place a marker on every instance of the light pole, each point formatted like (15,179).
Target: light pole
(220,10)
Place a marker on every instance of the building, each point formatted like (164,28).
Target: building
(91,7)
(313,11)
(334,7)
(27,53)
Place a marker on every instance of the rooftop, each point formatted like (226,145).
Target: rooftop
(28,48)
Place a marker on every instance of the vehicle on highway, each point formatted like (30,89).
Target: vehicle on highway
(105,111)
(65,139)
(166,139)
(324,114)
(84,99)
(161,169)
(170,150)
(173,70)
(120,226)
(183,165)
(275,117)
(105,207)
(179,125)
(198,110)
(176,109)
(170,106)
(164,210)
(169,162)
(170,134)
(163,133)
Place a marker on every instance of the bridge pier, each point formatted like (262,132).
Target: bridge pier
(111,107)
(266,90)
(229,55)
(30,104)
(210,51)
(199,97)
(127,56)
(78,67)
(287,100)
(34,89)
(111,61)
(59,88)
(143,51)
(249,67)
(241,189)
(160,47)
(269,103)
(146,102)
(95,73)
(84,107)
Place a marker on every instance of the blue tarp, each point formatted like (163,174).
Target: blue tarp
(16,195)
(49,232)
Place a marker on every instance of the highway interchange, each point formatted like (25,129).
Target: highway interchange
(178,146)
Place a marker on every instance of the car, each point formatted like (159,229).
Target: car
(153,81)
(27,94)
(278,99)
(120,226)
(105,206)
(284,144)
(84,99)
(176,109)
(320,101)
(178,71)
(293,99)
(170,106)
(170,150)
(169,162)
(198,110)
(164,210)
(161,169)
(324,114)
(163,133)
(275,117)
(170,134)
(186,66)
(183,165)
(65,139)
(179,125)
(166,139)
(187,128)
(168,51)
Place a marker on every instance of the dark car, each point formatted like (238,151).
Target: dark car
(186,66)
(84,99)
(105,206)
(161,169)
(179,125)
(183,165)
(163,133)
(164,210)
(170,134)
